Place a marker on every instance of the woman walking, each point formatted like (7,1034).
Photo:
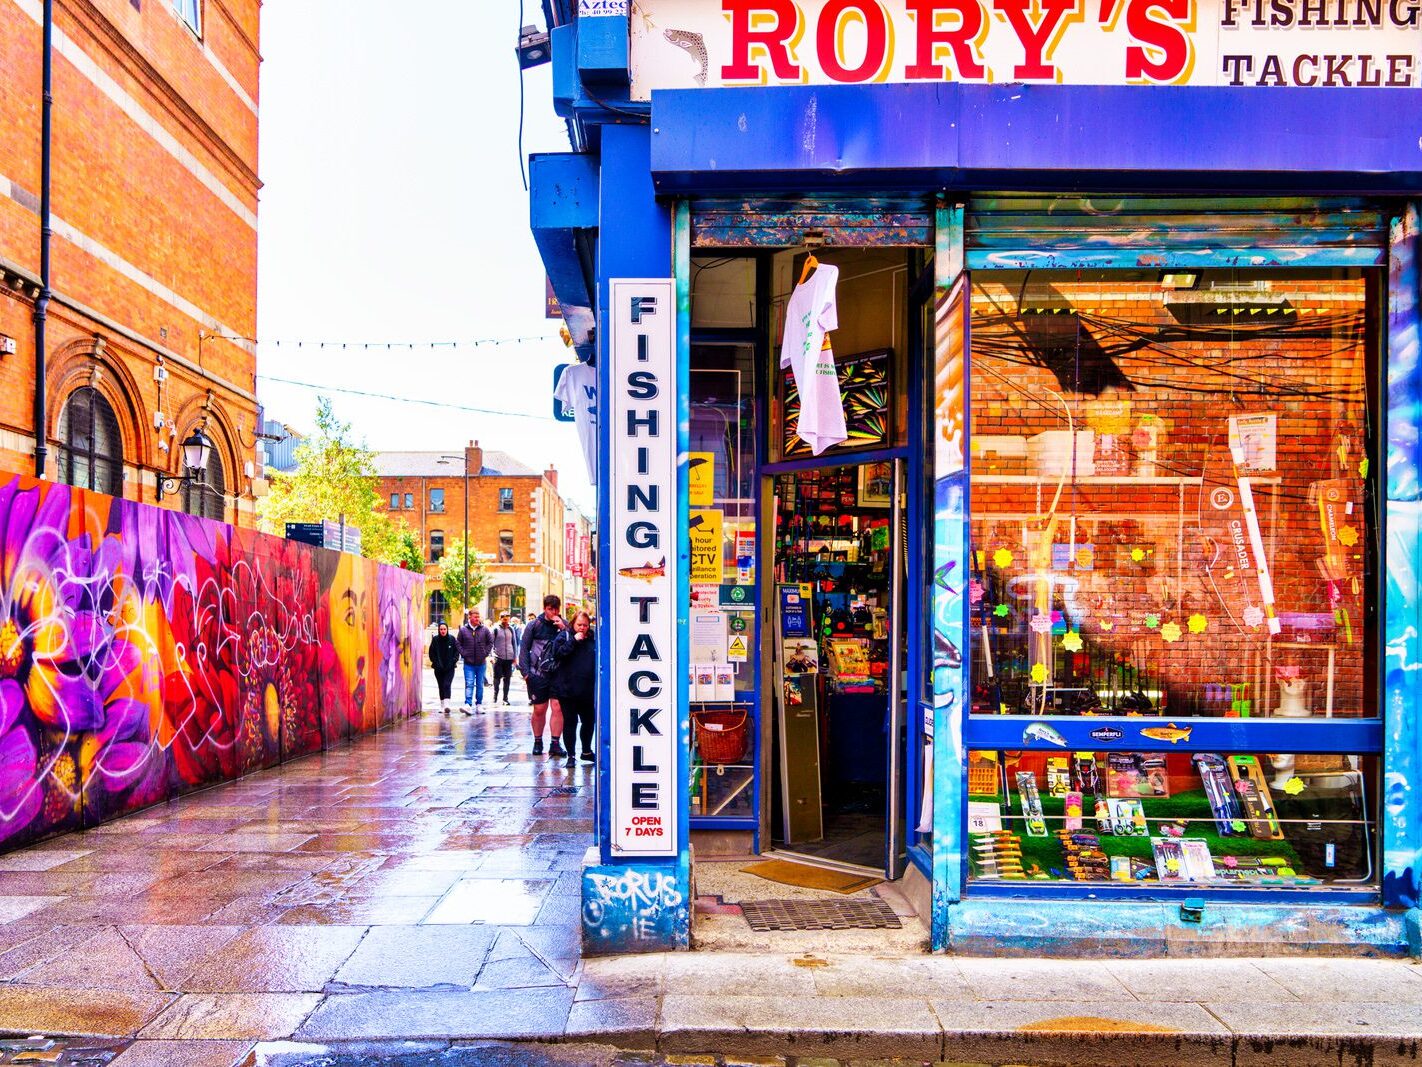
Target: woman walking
(444,658)
(574,684)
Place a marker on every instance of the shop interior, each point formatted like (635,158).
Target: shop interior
(1172,518)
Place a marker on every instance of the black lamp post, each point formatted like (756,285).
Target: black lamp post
(196,451)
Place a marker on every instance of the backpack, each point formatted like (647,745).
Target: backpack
(541,657)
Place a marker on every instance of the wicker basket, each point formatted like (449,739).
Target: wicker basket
(721,736)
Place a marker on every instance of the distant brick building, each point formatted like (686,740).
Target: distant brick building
(515,521)
(154,216)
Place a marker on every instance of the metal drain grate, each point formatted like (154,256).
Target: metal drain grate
(869,913)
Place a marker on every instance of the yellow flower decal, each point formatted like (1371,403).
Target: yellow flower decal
(1085,558)
(1197,623)
(1347,536)
(1170,632)
(1294,786)
(1107,626)
(1072,642)
(1002,558)
(1039,673)
(1137,555)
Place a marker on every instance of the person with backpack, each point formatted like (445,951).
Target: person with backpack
(444,657)
(505,652)
(575,683)
(475,641)
(536,665)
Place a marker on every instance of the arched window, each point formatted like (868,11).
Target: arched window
(439,607)
(206,495)
(91,450)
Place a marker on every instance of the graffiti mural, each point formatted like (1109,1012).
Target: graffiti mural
(1402,836)
(950,570)
(145,653)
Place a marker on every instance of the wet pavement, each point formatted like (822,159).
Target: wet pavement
(413,900)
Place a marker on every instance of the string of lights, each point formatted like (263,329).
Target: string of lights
(404,399)
(482,342)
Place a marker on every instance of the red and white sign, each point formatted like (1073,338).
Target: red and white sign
(683,44)
(570,549)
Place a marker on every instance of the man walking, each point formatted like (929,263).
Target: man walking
(505,652)
(475,641)
(536,636)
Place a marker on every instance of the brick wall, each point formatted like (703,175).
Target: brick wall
(154,195)
(1162,550)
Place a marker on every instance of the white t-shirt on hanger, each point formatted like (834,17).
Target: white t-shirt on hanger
(577,389)
(810,315)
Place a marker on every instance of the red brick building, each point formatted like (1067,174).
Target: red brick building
(515,520)
(154,249)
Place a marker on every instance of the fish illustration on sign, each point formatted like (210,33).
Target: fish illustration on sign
(1040,731)
(1172,733)
(646,572)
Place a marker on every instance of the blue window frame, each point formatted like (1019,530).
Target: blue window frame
(190,11)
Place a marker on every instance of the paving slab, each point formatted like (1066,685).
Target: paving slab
(847,1027)
(232,1016)
(183,1054)
(538,1014)
(627,1022)
(275,959)
(1192,979)
(97,1013)
(418,957)
(1094,1033)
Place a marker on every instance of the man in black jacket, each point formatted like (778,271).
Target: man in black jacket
(536,636)
(475,640)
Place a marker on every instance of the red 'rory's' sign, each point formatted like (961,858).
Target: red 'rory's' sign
(1325,43)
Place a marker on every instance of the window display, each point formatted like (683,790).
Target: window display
(1150,818)
(1170,495)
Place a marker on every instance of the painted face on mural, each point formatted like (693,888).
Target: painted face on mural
(350,625)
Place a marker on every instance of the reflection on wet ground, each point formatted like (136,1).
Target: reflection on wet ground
(440,856)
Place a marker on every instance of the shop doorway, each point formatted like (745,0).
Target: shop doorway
(838,664)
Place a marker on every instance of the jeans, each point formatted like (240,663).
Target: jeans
(503,671)
(473,683)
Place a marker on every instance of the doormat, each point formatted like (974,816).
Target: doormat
(808,877)
(866,913)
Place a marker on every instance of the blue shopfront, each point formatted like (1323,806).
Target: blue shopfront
(1076,597)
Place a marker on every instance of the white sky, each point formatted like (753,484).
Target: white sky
(393,210)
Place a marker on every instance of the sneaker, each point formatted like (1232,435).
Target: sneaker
(570,762)
(538,746)
(587,757)
(556,748)
(466,710)
(479,708)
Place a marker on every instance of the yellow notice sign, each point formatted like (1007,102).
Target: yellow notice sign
(705,546)
(700,479)
(736,649)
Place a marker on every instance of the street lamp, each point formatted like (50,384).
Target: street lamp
(197,449)
(464,459)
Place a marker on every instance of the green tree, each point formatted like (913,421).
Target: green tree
(411,558)
(334,477)
(451,569)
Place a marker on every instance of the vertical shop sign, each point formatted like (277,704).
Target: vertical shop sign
(644,511)
(570,549)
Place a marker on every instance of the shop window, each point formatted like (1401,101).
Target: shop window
(206,494)
(190,11)
(439,608)
(1171,513)
(510,598)
(436,545)
(91,449)
(437,500)
(506,546)
(506,499)
(1180,819)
